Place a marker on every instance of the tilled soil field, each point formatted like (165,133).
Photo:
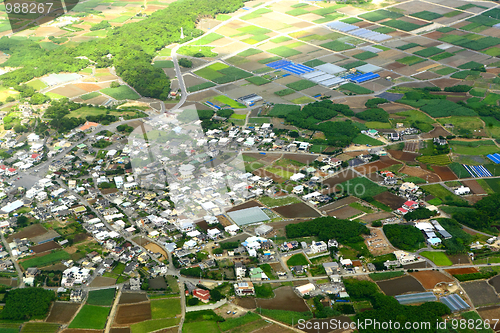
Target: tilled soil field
(474,186)
(403,156)
(481,293)
(384,162)
(45,247)
(285,299)
(130,298)
(28,232)
(491,313)
(418,172)
(464,270)
(429,279)
(339,203)
(344,212)
(390,199)
(135,313)
(62,312)
(444,172)
(296,210)
(400,286)
(248,204)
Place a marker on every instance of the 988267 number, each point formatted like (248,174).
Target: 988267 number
(25,8)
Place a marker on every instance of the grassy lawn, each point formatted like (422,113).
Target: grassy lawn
(439,258)
(91,317)
(297,259)
(101,297)
(36,84)
(377,125)
(272,202)
(121,93)
(165,308)
(198,327)
(229,102)
(302,100)
(154,325)
(46,260)
(363,139)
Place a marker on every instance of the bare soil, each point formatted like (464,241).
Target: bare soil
(130,314)
(296,210)
(285,299)
(130,298)
(403,156)
(102,281)
(337,179)
(492,313)
(495,282)
(444,173)
(464,270)
(248,204)
(474,186)
(384,162)
(45,247)
(339,203)
(481,293)
(418,172)
(62,312)
(120,330)
(399,286)
(344,212)
(28,232)
(436,133)
(459,259)
(429,279)
(390,199)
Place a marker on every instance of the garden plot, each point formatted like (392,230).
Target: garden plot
(134,313)
(62,312)
(429,279)
(390,200)
(285,299)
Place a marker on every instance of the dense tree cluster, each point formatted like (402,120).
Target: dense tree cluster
(376,114)
(184,62)
(374,102)
(325,228)
(484,216)
(101,25)
(131,46)
(404,237)
(419,214)
(27,303)
(458,88)
(225,113)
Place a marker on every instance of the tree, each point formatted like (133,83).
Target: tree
(193,301)
(114,84)
(101,25)
(10,99)
(23,304)
(404,237)
(22,221)
(293,134)
(184,62)
(38,98)
(216,295)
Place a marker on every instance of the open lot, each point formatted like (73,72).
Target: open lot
(296,210)
(339,203)
(481,293)
(133,313)
(429,279)
(399,286)
(28,232)
(130,298)
(62,312)
(285,299)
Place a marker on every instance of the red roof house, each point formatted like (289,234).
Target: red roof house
(202,294)
(410,204)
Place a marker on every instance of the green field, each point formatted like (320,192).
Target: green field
(354,88)
(163,64)
(494,184)
(426,15)
(410,60)
(377,125)
(249,52)
(257,80)
(363,139)
(199,327)
(90,95)
(439,258)
(296,260)
(302,100)
(221,73)
(379,15)
(301,85)
(36,84)
(287,317)
(365,55)
(121,93)
(361,187)
(428,52)
(154,325)
(165,308)
(201,86)
(435,160)
(272,202)
(442,193)
(91,317)
(401,25)
(483,147)
(101,297)
(337,46)
(54,256)
(197,51)
(38,328)
(259,120)
(232,323)
(407,46)
(229,102)
(284,51)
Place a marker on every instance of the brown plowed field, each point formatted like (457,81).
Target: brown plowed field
(248,204)
(495,282)
(474,186)
(337,179)
(120,330)
(246,302)
(418,172)
(384,162)
(296,210)
(436,133)
(444,172)
(429,279)
(274,328)
(481,293)
(458,259)
(88,87)
(135,313)
(403,156)
(28,232)
(492,313)
(285,299)
(130,298)
(400,286)
(76,330)
(465,270)
(339,203)
(344,212)
(390,199)
(410,146)
(376,216)
(45,247)
(62,312)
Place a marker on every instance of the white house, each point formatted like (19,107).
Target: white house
(296,177)
(462,190)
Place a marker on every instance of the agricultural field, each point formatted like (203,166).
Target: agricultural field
(121,93)
(91,317)
(46,260)
(439,258)
(221,73)
(40,328)
(165,308)
(101,297)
